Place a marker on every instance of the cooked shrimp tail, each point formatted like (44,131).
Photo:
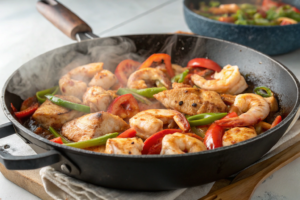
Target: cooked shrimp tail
(254,107)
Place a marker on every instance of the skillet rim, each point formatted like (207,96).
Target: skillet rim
(291,116)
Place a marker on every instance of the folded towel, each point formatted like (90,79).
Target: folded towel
(61,186)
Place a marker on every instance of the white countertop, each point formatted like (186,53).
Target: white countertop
(25,34)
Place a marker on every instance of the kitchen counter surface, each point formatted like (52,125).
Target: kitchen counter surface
(25,34)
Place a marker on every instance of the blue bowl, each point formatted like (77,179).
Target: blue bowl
(271,40)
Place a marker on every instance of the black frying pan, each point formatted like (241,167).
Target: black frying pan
(143,172)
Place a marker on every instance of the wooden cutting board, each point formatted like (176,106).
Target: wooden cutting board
(31,181)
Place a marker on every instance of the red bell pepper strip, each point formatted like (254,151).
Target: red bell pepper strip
(277,120)
(125,69)
(28,103)
(158,57)
(13,108)
(27,112)
(204,63)
(128,133)
(124,106)
(231,115)
(214,134)
(57,140)
(296,10)
(153,144)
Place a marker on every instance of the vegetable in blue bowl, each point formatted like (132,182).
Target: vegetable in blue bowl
(272,28)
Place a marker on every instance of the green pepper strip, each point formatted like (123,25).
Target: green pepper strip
(56,135)
(182,76)
(205,118)
(68,104)
(197,132)
(267,90)
(175,78)
(40,95)
(138,97)
(92,142)
(148,92)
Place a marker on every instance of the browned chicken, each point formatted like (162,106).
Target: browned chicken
(50,114)
(191,101)
(92,126)
(127,146)
(97,98)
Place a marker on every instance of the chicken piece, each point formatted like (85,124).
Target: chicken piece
(127,146)
(180,85)
(191,101)
(104,79)
(50,114)
(97,98)
(92,126)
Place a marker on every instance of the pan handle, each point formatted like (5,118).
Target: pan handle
(32,161)
(63,18)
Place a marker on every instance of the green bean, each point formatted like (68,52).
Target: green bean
(68,104)
(267,90)
(56,134)
(92,142)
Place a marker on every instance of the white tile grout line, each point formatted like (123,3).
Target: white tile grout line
(135,17)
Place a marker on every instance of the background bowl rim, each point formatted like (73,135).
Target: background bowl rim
(186,8)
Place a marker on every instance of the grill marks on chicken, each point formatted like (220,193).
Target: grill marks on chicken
(50,114)
(92,126)
(191,101)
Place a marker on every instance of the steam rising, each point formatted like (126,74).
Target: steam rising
(44,71)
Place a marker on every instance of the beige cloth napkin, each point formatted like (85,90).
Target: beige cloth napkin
(60,186)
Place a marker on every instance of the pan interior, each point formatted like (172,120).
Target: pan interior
(45,70)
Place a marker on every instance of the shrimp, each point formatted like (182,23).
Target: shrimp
(104,79)
(237,134)
(97,98)
(148,122)
(148,77)
(75,82)
(254,108)
(179,143)
(128,146)
(224,9)
(272,101)
(228,81)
